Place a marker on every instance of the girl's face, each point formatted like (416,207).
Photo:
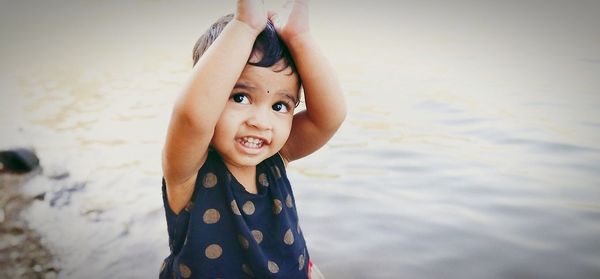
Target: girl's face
(257,118)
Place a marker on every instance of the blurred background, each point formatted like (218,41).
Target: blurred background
(471,148)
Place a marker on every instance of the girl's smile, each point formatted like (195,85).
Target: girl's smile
(251,145)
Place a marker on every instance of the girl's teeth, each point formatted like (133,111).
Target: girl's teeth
(252,142)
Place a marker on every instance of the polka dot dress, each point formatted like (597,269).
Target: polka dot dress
(227,232)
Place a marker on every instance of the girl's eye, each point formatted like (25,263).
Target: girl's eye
(240,98)
(281,107)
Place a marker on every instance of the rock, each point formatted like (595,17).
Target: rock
(40,196)
(22,252)
(37,268)
(50,275)
(19,161)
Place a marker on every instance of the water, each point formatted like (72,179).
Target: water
(471,148)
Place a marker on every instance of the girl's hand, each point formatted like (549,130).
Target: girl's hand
(292,20)
(252,13)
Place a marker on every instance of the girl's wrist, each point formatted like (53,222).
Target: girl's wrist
(246,27)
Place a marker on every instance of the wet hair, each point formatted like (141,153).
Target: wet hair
(268,48)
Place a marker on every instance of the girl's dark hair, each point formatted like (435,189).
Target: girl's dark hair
(268,49)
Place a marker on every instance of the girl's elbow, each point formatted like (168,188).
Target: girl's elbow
(338,120)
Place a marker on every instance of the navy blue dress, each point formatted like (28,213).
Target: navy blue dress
(227,232)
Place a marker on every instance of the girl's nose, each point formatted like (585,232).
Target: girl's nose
(259,118)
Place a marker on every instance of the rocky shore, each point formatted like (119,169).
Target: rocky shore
(22,252)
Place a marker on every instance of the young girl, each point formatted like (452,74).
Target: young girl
(230,209)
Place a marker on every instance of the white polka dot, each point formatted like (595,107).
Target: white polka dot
(243,241)
(211,216)
(262,179)
(248,208)
(213,251)
(235,208)
(277,172)
(273,267)
(247,270)
(277,206)
(210,180)
(301,262)
(258,236)
(185,271)
(288,238)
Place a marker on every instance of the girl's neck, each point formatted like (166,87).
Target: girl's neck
(245,176)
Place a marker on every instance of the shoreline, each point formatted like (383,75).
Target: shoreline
(22,252)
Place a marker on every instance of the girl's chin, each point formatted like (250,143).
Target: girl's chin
(246,160)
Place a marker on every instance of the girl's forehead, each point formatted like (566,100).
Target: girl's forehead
(266,79)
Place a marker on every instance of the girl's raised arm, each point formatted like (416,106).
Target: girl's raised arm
(325,104)
(203,98)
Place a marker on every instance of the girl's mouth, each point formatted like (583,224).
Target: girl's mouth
(251,142)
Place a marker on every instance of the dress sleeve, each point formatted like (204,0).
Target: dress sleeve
(176,223)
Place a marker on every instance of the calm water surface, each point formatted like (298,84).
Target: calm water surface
(471,148)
